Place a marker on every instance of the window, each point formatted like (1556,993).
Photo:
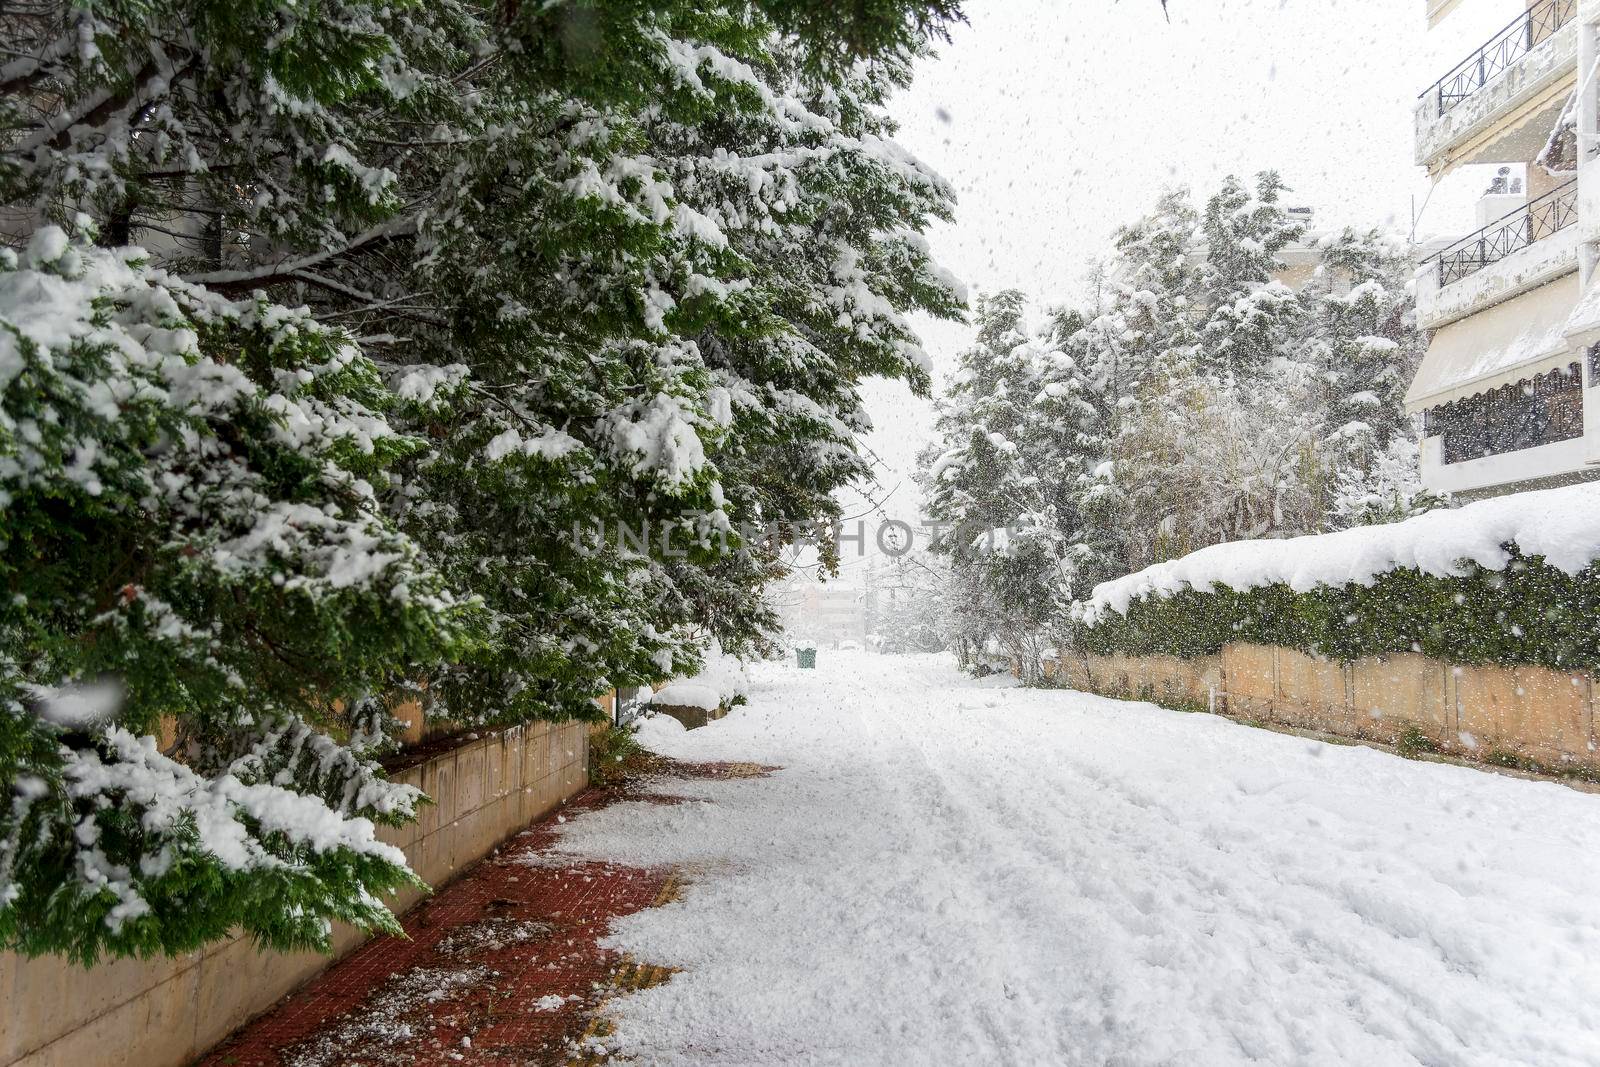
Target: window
(1535,411)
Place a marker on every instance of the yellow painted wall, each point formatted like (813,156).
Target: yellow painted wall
(1532,712)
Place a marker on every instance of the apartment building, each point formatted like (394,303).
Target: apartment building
(1507,389)
(814,611)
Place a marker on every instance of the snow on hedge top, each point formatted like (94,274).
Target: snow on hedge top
(1562,525)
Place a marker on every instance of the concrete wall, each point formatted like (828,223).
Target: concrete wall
(1167,679)
(167,1012)
(1533,712)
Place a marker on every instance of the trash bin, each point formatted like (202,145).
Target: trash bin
(806,657)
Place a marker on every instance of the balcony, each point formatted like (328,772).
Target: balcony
(1513,254)
(1509,234)
(1530,468)
(1526,32)
(1497,105)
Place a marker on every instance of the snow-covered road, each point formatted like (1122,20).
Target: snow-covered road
(951,871)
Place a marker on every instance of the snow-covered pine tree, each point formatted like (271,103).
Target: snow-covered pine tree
(1151,303)
(822,216)
(1066,439)
(970,479)
(1252,317)
(193,526)
(192,545)
(1229,404)
(999,492)
(1141,346)
(608,265)
(1363,344)
(689,301)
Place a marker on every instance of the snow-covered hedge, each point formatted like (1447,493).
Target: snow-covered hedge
(1507,580)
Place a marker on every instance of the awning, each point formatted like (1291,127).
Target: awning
(1560,152)
(1583,325)
(1515,339)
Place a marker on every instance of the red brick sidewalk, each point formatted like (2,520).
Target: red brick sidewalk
(503,966)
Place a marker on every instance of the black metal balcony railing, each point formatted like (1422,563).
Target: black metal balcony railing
(1527,31)
(1534,221)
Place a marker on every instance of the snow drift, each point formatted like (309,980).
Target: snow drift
(719,683)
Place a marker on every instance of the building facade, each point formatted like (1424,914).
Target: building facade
(826,612)
(1506,392)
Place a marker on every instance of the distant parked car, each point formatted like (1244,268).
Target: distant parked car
(848,645)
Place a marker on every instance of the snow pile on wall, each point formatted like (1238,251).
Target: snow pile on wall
(720,681)
(688,694)
(1562,525)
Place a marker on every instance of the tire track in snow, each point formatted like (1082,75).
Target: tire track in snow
(927,791)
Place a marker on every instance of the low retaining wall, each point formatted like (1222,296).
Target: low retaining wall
(1530,712)
(692,717)
(169,1011)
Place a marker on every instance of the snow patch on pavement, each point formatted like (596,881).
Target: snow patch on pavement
(379,1032)
(490,935)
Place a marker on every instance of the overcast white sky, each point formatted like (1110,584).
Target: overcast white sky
(1068,117)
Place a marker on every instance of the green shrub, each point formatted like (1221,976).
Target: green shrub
(1528,613)
(615,755)
(1412,742)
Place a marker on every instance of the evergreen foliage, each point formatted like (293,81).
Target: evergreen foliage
(192,531)
(1000,486)
(356,351)
(1526,613)
(1197,397)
